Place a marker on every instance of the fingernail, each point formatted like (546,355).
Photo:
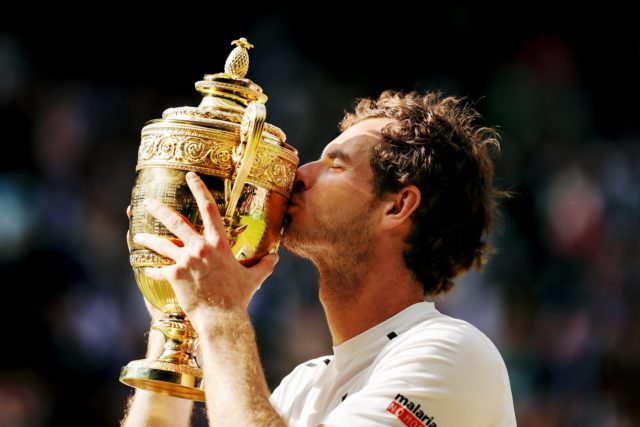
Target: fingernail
(191,175)
(146,202)
(138,237)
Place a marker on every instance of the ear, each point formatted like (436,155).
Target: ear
(400,206)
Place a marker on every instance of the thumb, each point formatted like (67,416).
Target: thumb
(265,266)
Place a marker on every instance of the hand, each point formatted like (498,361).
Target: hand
(206,276)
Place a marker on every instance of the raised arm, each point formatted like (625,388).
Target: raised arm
(147,408)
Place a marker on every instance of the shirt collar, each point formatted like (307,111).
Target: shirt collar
(396,324)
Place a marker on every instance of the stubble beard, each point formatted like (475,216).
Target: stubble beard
(340,248)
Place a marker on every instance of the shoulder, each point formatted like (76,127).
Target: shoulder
(286,397)
(453,339)
(300,378)
(447,357)
(309,367)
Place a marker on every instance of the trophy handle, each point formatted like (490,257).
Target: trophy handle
(244,155)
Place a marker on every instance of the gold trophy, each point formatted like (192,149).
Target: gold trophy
(248,168)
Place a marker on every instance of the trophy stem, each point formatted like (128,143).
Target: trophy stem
(181,340)
(176,372)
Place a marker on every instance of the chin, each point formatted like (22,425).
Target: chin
(287,235)
(291,237)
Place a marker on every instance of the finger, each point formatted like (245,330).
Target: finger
(175,223)
(160,245)
(264,267)
(155,273)
(128,232)
(154,312)
(211,219)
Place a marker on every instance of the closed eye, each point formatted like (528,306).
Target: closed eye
(337,157)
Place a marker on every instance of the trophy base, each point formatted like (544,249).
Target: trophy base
(166,378)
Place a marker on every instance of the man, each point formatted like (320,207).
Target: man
(396,207)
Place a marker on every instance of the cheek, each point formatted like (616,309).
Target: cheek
(333,196)
(331,200)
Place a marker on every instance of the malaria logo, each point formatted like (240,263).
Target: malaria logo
(409,413)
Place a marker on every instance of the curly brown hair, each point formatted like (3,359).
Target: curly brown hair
(436,144)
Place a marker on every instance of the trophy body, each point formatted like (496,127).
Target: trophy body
(249,170)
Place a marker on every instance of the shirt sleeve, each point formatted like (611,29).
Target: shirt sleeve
(285,398)
(278,397)
(447,374)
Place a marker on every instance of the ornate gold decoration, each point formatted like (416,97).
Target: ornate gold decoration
(145,258)
(209,151)
(186,147)
(271,132)
(158,364)
(274,169)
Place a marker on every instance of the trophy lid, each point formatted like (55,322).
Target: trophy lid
(232,84)
(226,95)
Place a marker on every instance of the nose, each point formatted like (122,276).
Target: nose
(305,177)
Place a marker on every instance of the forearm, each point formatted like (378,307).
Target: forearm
(148,408)
(235,387)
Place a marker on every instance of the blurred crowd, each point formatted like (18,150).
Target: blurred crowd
(559,297)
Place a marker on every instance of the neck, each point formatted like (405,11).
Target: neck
(357,299)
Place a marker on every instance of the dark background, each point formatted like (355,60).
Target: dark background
(560,299)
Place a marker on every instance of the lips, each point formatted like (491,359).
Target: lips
(287,216)
(291,207)
(292,202)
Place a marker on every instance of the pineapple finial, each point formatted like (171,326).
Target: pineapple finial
(237,63)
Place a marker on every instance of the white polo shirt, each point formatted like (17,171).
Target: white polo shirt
(417,368)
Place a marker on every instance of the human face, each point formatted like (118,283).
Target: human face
(332,209)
